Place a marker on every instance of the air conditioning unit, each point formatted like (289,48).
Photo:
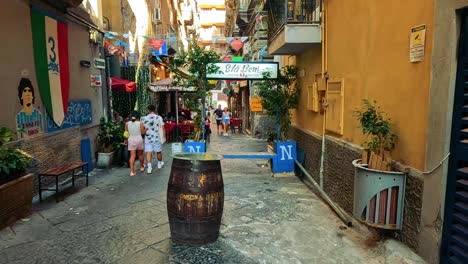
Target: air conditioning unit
(156,15)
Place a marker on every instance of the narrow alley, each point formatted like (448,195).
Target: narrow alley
(122,219)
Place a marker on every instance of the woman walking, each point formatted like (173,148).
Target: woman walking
(135,141)
(226,121)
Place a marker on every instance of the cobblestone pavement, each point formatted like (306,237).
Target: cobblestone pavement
(122,219)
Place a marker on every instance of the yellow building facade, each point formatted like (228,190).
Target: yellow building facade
(364,52)
(370,59)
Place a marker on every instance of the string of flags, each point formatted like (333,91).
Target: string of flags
(121,47)
(112,35)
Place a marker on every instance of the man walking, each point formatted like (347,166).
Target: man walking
(153,124)
(218,113)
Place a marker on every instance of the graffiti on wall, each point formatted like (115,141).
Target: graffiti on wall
(79,113)
(28,119)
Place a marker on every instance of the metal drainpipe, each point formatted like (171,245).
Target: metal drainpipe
(324,75)
(322,155)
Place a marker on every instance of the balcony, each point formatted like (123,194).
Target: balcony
(293,26)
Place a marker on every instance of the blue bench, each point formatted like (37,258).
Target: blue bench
(250,155)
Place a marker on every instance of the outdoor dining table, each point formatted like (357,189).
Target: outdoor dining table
(171,132)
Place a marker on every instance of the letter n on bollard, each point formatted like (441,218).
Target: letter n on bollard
(286,153)
(198,147)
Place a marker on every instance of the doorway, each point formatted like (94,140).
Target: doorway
(454,247)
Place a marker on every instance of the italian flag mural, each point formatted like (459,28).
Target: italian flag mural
(50,40)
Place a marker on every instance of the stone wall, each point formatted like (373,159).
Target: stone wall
(312,147)
(262,125)
(337,166)
(339,173)
(412,213)
(339,180)
(51,150)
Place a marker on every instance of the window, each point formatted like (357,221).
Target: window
(335,108)
(313,97)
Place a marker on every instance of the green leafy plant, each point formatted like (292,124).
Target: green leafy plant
(13,161)
(195,61)
(279,96)
(110,136)
(375,123)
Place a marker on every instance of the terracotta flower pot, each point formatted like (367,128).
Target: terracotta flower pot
(16,200)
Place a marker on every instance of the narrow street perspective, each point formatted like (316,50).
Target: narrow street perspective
(234,131)
(122,219)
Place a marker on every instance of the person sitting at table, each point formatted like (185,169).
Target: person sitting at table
(170,116)
(187,114)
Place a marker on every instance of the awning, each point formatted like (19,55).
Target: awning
(166,85)
(121,85)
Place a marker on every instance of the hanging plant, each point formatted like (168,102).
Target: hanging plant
(142,80)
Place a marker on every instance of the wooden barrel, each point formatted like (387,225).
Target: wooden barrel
(195,198)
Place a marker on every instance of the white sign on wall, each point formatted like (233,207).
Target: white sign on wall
(243,71)
(96,80)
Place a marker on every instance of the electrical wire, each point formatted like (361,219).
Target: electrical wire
(438,165)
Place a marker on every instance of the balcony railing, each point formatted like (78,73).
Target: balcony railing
(284,12)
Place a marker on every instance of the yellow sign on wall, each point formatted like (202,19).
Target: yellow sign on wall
(256,104)
(417,43)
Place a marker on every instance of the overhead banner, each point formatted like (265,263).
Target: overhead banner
(164,88)
(50,41)
(243,71)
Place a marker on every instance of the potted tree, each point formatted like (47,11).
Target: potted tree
(16,187)
(109,140)
(195,61)
(378,187)
(278,98)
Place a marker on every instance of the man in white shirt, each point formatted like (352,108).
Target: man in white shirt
(153,124)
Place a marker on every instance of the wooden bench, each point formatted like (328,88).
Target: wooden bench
(58,171)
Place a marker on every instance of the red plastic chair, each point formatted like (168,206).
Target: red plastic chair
(168,130)
(185,131)
(236,123)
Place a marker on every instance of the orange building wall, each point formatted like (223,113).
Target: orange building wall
(368,46)
(311,63)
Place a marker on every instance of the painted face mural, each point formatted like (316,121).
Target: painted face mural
(29,119)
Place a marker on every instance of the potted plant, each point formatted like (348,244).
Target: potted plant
(278,98)
(378,187)
(109,139)
(16,187)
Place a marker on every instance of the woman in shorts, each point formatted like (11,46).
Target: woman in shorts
(226,121)
(135,141)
